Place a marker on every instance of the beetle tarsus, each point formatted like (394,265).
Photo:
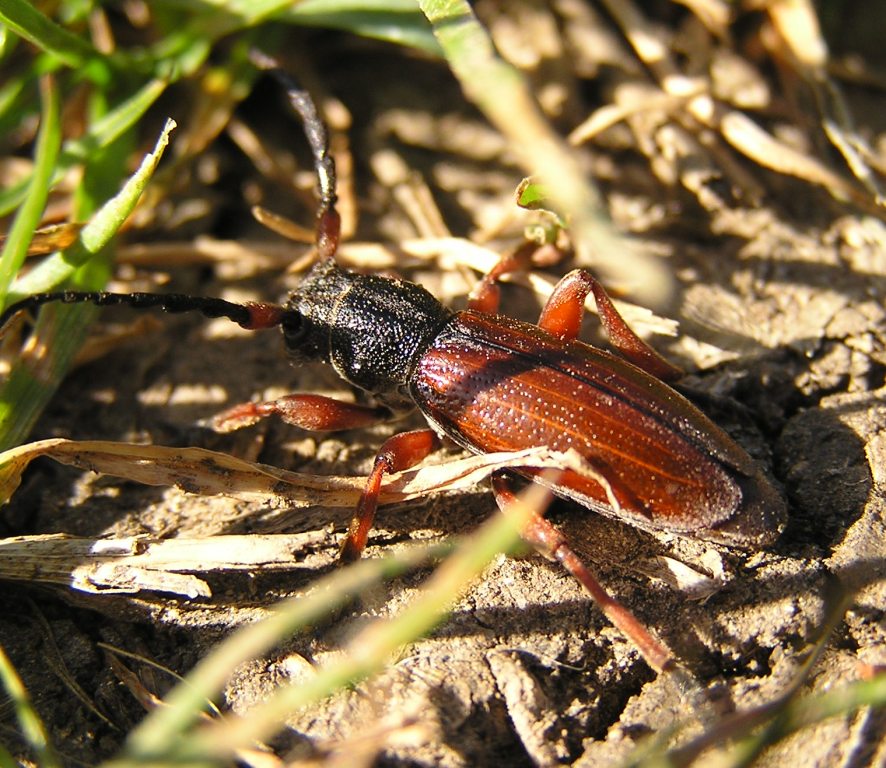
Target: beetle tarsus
(623,337)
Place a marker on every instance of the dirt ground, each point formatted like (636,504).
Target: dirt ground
(779,292)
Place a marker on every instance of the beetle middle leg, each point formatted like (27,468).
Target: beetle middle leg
(319,413)
(549,541)
(397,453)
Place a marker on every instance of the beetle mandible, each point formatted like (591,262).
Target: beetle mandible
(491,383)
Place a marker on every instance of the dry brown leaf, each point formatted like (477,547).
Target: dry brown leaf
(55,237)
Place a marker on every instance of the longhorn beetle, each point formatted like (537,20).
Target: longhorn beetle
(490,383)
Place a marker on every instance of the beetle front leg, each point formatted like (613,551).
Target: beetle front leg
(396,454)
(563,312)
(550,542)
(313,412)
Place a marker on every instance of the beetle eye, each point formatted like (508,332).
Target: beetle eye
(294,328)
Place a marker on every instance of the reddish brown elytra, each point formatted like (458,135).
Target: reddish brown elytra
(491,383)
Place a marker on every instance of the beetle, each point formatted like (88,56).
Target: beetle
(490,383)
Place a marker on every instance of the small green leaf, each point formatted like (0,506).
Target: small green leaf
(532,195)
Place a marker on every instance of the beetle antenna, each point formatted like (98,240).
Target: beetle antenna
(328,221)
(250,315)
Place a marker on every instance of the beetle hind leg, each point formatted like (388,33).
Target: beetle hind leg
(550,542)
(563,312)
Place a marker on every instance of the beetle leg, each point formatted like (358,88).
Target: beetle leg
(550,542)
(397,453)
(314,412)
(486,294)
(564,310)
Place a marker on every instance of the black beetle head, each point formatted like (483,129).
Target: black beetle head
(369,328)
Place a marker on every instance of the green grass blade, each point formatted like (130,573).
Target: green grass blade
(397,21)
(28,217)
(97,233)
(373,648)
(741,737)
(11,95)
(115,123)
(185,703)
(99,135)
(367,654)
(503,95)
(7,760)
(25,20)
(60,330)
(839,701)
(29,721)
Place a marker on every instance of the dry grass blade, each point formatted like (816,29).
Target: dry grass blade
(692,103)
(763,148)
(55,660)
(500,91)
(798,26)
(198,470)
(131,564)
